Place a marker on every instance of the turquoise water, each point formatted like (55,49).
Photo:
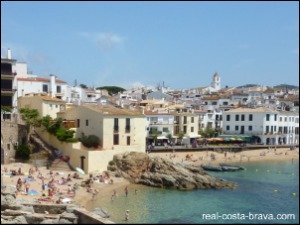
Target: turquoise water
(264,188)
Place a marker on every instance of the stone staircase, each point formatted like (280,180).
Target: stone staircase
(60,165)
(56,163)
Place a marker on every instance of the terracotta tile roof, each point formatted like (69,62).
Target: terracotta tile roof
(259,109)
(110,110)
(43,97)
(39,79)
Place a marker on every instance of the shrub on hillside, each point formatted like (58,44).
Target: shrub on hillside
(90,141)
(63,134)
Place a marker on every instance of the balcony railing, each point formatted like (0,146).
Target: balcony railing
(8,91)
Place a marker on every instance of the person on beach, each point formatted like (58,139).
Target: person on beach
(114,194)
(27,188)
(127,215)
(126,191)
(94,193)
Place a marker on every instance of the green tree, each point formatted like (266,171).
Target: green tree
(111,89)
(208,132)
(83,86)
(31,117)
(46,121)
(169,136)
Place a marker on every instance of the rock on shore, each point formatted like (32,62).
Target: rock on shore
(140,168)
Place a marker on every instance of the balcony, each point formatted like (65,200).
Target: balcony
(8,91)
(8,75)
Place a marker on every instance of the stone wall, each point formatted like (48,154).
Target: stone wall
(11,134)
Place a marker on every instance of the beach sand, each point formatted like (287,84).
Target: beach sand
(210,157)
(105,191)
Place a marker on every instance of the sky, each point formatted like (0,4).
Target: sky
(179,43)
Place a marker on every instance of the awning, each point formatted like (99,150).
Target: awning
(194,136)
(162,137)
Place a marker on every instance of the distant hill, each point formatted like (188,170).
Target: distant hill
(248,85)
(111,89)
(288,86)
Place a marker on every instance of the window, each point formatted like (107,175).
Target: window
(267,117)
(275,117)
(116,139)
(58,89)
(116,125)
(192,129)
(285,119)
(250,128)
(192,119)
(87,122)
(237,117)
(78,122)
(45,88)
(214,103)
(227,117)
(56,106)
(184,119)
(225,103)
(227,127)
(176,130)
(242,117)
(280,119)
(250,117)
(127,126)
(128,140)
(184,129)
(236,127)
(267,129)
(165,129)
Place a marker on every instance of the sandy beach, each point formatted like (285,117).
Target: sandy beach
(105,189)
(210,157)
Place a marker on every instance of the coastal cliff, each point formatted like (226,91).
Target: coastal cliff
(140,168)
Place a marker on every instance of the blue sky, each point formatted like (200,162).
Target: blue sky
(180,43)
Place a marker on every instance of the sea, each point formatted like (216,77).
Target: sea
(267,193)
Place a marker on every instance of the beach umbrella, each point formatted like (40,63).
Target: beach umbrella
(80,171)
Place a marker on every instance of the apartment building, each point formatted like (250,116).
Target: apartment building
(271,126)
(118,129)
(46,105)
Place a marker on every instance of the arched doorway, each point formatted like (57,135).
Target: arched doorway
(268,141)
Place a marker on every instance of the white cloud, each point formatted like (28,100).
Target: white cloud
(104,40)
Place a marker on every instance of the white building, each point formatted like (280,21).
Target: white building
(272,127)
(160,124)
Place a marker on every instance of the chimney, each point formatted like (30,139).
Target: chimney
(52,85)
(9,53)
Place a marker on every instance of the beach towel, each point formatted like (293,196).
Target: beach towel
(33,192)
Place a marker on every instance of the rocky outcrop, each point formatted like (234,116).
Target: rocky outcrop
(12,212)
(140,168)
